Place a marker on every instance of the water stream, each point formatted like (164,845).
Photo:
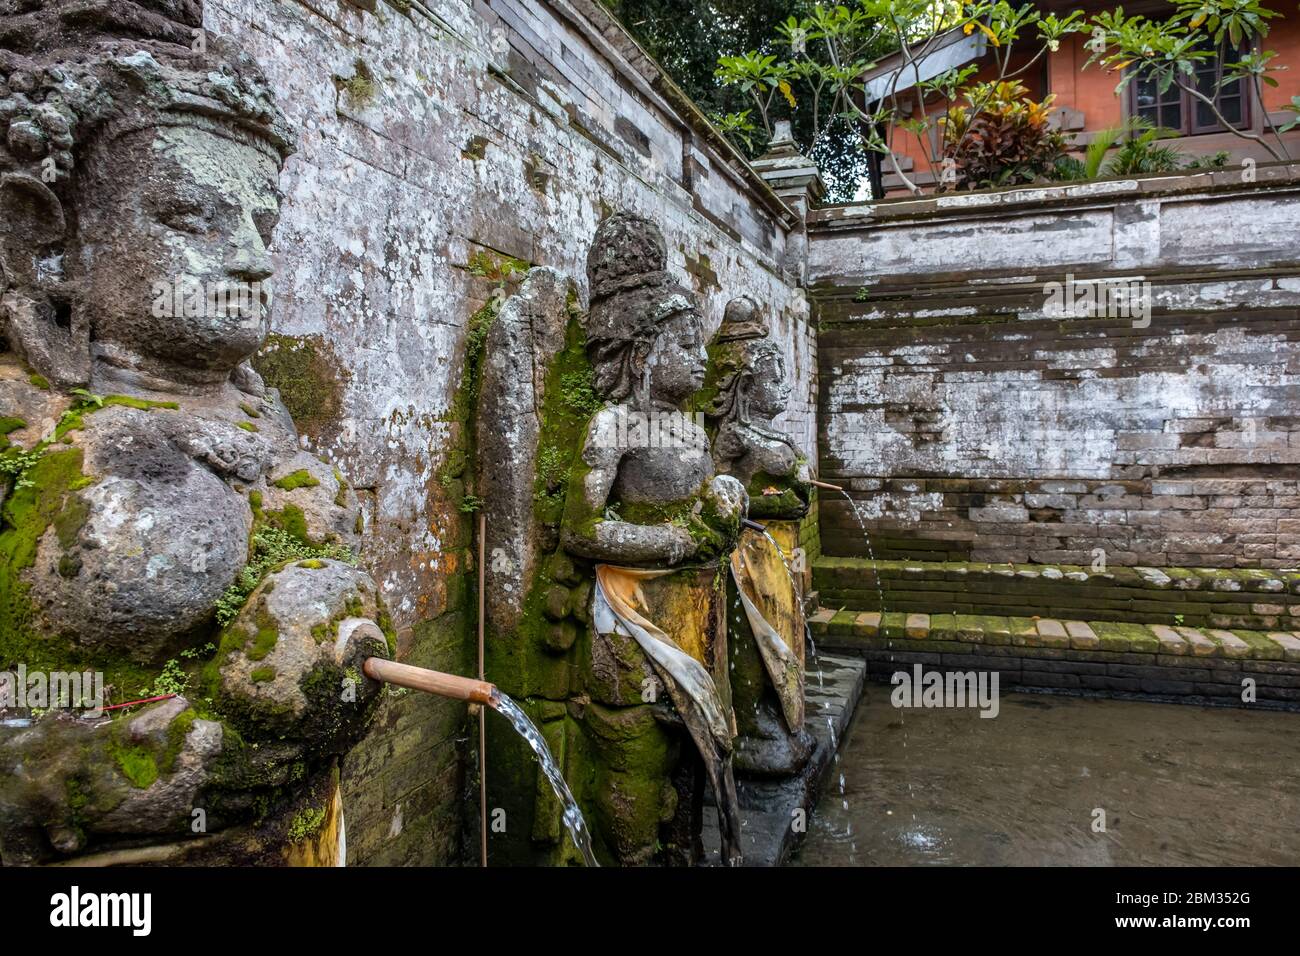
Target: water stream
(573,820)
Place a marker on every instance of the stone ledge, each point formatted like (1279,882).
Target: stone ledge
(1260,600)
(1157,643)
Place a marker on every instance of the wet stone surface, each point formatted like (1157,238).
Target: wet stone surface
(768,807)
(1179,785)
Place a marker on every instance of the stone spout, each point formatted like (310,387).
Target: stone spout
(432,682)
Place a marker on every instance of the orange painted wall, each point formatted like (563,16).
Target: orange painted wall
(1284,39)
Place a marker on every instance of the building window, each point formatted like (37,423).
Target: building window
(1178,110)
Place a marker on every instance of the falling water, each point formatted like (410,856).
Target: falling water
(577,826)
(871,554)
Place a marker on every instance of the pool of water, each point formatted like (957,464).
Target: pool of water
(1179,785)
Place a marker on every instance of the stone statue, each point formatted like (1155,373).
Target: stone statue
(751,390)
(645,504)
(746,389)
(161,525)
(648,493)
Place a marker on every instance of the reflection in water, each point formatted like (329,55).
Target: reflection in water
(1179,785)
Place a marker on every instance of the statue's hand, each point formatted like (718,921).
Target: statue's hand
(293,658)
(681,544)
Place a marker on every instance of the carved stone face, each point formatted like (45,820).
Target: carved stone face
(177,209)
(678,361)
(769,392)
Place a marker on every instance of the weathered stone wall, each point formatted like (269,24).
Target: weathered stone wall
(441,145)
(971,424)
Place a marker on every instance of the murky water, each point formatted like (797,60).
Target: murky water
(1179,785)
(573,820)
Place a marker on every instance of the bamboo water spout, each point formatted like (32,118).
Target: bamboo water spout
(824,484)
(482,692)
(432,682)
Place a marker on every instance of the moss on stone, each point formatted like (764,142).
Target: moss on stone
(177,731)
(306,823)
(341,496)
(39,381)
(292,521)
(249,410)
(264,642)
(301,478)
(28,511)
(262,675)
(309,377)
(136,763)
(247,426)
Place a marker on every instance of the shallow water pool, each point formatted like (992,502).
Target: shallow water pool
(1178,785)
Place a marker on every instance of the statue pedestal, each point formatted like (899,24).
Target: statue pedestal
(652,780)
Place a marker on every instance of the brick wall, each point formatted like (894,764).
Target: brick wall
(971,423)
(492,129)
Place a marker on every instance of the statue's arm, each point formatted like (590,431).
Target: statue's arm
(589,534)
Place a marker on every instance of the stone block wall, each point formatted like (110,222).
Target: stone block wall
(972,422)
(442,145)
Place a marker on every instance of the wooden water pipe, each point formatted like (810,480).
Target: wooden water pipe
(431,682)
(824,484)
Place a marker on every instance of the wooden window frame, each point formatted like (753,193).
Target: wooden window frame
(1188,109)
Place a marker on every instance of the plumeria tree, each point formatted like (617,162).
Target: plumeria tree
(1228,34)
(826,55)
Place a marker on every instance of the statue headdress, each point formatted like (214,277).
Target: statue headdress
(631,294)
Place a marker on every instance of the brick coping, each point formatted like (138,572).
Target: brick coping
(1156,640)
(1230,580)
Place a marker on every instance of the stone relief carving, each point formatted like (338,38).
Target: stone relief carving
(159,514)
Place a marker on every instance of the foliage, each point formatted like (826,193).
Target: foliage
(172,680)
(272,548)
(1169,52)
(824,55)
(688,36)
(1141,154)
(999,137)
(812,69)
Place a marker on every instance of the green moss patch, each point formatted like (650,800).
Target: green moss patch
(306,823)
(301,478)
(309,377)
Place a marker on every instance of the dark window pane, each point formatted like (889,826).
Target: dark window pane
(1172,116)
(1231,109)
(1203,115)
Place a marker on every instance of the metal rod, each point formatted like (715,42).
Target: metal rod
(752,525)
(824,484)
(482,714)
(431,682)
